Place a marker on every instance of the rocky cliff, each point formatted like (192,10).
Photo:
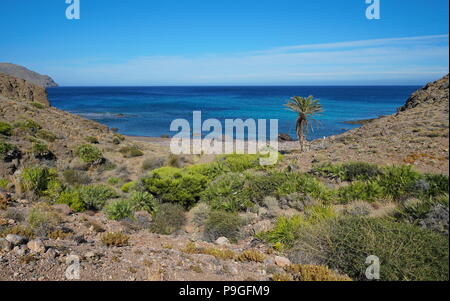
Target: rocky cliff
(19,89)
(435,92)
(28,75)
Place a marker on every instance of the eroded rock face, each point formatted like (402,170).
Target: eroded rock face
(435,92)
(21,90)
(28,75)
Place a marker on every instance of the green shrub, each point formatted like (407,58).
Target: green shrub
(3,183)
(296,182)
(5,148)
(127,187)
(152,163)
(42,219)
(168,218)
(37,179)
(72,198)
(242,191)
(200,213)
(349,171)
(95,196)
(46,135)
(143,201)
(76,177)
(406,252)
(225,193)
(119,210)
(368,191)
(131,152)
(39,149)
(91,139)
(29,125)
(114,181)
(399,182)
(436,185)
(89,153)
(5,129)
(175,185)
(92,197)
(223,224)
(287,230)
(37,105)
(416,210)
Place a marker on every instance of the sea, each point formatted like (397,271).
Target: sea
(149,111)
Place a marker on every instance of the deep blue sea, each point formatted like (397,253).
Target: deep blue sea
(148,111)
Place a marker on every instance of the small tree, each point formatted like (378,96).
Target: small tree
(306,108)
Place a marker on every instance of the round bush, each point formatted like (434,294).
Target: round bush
(223,224)
(406,252)
(168,218)
(89,153)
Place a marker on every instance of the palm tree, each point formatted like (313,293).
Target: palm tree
(306,109)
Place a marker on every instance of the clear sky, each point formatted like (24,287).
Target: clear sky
(228,42)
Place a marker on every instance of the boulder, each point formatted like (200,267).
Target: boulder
(222,241)
(5,245)
(36,246)
(16,240)
(282,261)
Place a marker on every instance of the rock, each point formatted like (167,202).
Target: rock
(20,250)
(284,137)
(51,254)
(282,261)
(262,226)
(221,241)
(63,209)
(5,245)
(435,92)
(25,74)
(5,197)
(36,246)
(18,89)
(89,255)
(80,239)
(16,239)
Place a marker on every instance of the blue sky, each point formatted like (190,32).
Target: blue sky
(228,42)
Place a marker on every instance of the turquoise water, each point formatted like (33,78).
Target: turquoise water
(148,111)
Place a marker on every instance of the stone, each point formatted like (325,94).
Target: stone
(221,241)
(16,239)
(63,209)
(5,245)
(20,250)
(89,254)
(51,254)
(282,261)
(36,246)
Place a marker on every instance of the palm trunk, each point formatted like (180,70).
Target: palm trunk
(301,122)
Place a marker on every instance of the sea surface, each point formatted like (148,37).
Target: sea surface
(149,111)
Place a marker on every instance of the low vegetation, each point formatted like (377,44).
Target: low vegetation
(115,239)
(5,128)
(89,153)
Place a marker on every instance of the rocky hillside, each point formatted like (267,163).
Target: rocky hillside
(418,135)
(28,75)
(433,93)
(20,90)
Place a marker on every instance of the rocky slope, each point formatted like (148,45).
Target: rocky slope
(433,93)
(418,135)
(20,90)
(28,75)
